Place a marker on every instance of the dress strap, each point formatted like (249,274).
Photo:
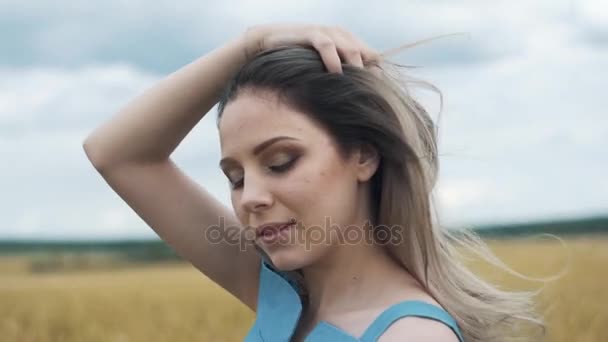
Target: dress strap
(408,308)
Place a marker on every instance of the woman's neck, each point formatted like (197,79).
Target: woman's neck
(350,277)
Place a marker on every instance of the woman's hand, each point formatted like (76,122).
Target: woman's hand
(335,44)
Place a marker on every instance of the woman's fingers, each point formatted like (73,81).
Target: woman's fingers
(328,51)
(367,54)
(355,50)
(351,49)
(335,44)
(351,55)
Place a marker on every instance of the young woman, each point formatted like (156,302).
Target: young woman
(331,164)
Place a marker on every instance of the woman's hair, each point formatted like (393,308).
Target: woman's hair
(376,108)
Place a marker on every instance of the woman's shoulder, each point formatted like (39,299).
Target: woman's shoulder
(412,328)
(416,320)
(414,315)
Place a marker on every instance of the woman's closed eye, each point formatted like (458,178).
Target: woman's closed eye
(283,167)
(278,169)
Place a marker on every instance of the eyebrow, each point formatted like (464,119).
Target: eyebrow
(258,149)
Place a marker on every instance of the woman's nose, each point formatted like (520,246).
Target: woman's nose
(255,195)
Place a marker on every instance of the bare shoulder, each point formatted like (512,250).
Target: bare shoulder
(418,329)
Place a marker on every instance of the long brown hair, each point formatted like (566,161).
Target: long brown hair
(376,108)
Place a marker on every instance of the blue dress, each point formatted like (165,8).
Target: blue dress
(279,307)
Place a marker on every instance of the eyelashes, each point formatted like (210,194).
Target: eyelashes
(276,169)
(283,167)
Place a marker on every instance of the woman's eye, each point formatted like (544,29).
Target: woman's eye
(275,168)
(283,167)
(236,185)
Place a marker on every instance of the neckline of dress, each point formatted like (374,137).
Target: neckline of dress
(323,324)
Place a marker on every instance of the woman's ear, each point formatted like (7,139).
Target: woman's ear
(367,162)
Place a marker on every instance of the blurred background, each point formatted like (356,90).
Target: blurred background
(523,134)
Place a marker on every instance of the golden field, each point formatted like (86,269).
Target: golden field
(175,302)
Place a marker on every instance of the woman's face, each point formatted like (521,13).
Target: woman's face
(300,177)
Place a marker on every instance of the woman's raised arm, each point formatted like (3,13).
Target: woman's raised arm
(132,153)
(132,149)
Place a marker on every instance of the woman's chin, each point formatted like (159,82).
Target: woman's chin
(285,260)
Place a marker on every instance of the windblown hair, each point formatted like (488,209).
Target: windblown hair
(359,107)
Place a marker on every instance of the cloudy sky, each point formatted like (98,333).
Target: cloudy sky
(524,129)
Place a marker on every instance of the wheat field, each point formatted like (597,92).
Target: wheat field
(176,302)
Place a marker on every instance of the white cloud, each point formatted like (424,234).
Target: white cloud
(51,190)
(65,99)
(164,35)
(522,135)
(594,12)
(458,194)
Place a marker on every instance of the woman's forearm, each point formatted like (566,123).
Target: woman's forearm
(151,126)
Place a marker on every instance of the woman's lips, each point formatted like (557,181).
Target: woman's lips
(272,234)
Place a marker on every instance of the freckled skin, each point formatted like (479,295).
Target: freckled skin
(319,184)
